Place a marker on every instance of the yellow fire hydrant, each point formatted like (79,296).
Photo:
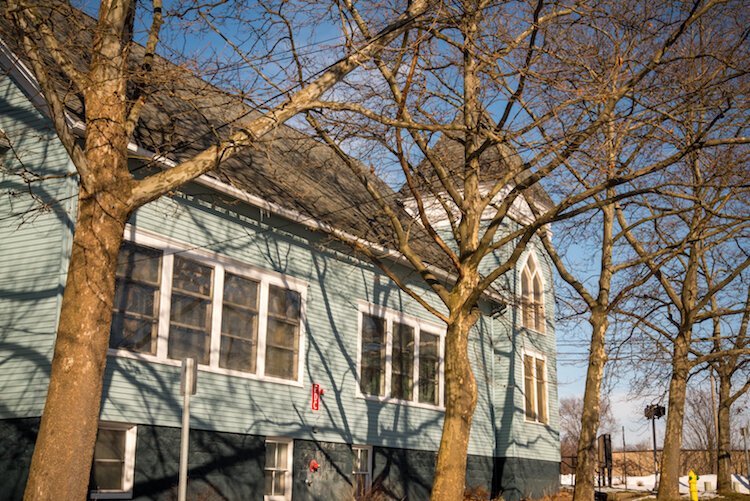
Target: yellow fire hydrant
(693,484)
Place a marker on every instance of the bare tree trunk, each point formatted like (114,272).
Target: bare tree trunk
(461,395)
(65,446)
(586,455)
(670,458)
(724,476)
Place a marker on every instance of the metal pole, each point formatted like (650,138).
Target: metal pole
(656,469)
(188,366)
(746,430)
(624,459)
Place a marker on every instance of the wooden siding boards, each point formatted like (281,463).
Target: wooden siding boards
(34,232)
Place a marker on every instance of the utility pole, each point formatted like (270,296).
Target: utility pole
(624,459)
(745,432)
(654,412)
(714,444)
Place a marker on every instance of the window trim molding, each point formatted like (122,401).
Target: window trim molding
(169,247)
(535,356)
(543,294)
(365,308)
(289,475)
(128,467)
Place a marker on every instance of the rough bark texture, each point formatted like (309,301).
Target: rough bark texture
(586,455)
(461,399)
(65,446)
(669,472)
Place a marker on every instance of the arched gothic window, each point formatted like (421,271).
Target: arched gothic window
(532,296)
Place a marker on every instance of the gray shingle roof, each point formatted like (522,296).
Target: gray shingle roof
(185,115)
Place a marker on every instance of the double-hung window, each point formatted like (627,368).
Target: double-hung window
(172,304)
(400,357)
(114,462)
(278,469)
(535,387)
(362,470)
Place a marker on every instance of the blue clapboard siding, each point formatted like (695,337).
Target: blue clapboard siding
(34,234)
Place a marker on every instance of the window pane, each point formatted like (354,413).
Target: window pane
(428,367)
(282,332)
(530,401)
(133,334)
(188,343)
(538,304)
(278,483)
(527,300)
(541,391)
(110,444)
(237,354)
(281,363)
(135,298)
(190,276)
(283,302)
(372,379)
(281,452)
(240,291)
(402,362)
(190,318)
(190,311)
(136,303)
(268,491)
(270,454)
(108,476)
(361,460)
(239,324)
(139,264)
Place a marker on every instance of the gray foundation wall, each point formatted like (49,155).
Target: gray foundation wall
(229,466)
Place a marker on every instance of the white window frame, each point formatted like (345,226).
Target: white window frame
(535,303)
(418,325)
(288,474)
(169,247)
(368,474)
(535,356)
(128,468)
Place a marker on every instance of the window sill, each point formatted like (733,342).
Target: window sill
(111,495)
(537,423)
(529,330)
(396,401)
(205,368)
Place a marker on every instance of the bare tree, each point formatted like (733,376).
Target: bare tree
(700,427)
(113,76)
(571,411)
(520,96)
(676,315)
